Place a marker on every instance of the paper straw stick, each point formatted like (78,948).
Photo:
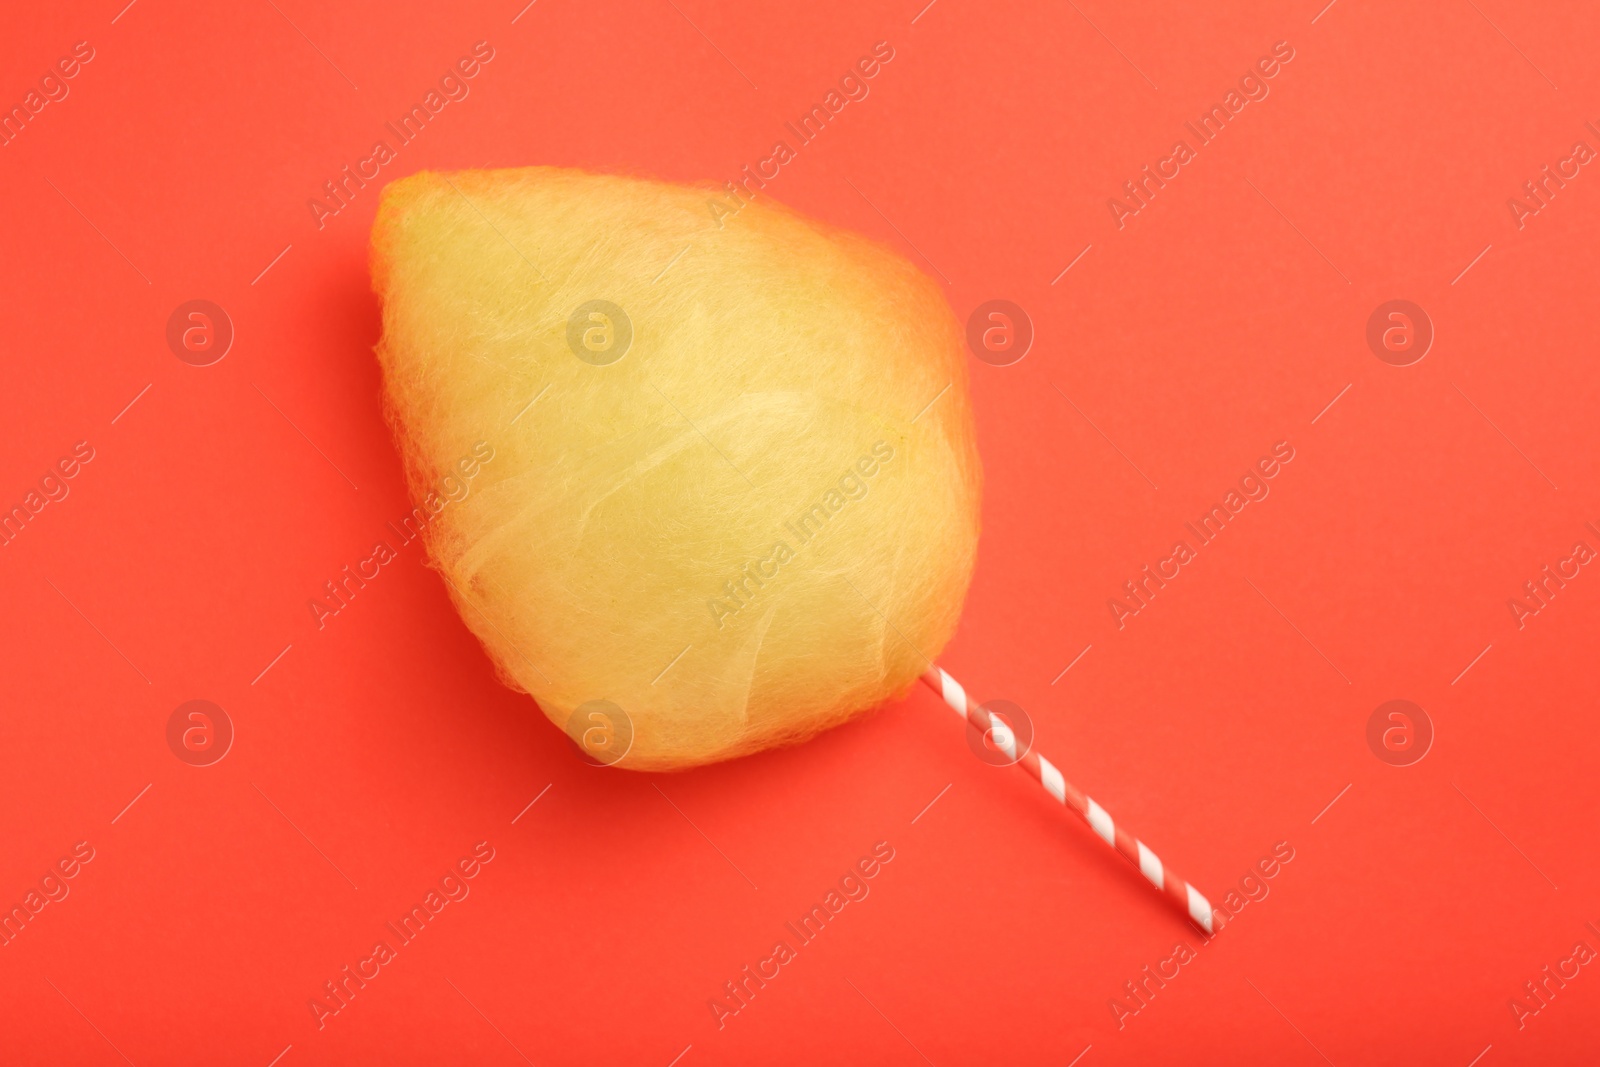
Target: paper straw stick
(1180,893)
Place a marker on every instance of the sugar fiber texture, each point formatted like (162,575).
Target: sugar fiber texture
(757,523)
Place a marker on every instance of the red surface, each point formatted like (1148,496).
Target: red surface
(1218,722)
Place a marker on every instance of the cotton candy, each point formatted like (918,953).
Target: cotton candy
(733,487)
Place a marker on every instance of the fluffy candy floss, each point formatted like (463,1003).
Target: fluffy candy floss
(734,489)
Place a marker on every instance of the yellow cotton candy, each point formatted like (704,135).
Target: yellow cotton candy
(732,487)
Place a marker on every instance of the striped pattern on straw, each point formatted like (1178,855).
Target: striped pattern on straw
(1180,893)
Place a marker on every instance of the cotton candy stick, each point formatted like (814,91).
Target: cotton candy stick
(1185,897)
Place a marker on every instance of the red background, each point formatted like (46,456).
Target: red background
(1220,720)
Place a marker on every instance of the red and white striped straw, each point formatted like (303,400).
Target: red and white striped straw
(1186,897)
